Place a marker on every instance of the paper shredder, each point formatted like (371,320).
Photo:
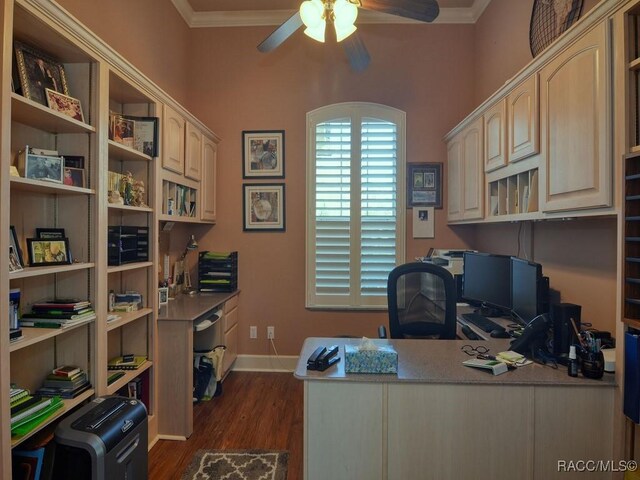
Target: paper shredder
(104,440)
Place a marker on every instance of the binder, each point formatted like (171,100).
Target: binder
(631,406)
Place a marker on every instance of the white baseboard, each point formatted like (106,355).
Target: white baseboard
(265,363)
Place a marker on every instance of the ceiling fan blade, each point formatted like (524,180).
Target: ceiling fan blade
(281,33)
(421,10)
(356,52)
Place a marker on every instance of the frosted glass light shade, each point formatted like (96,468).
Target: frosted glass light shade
(345,14)
(311,12)
(317,32)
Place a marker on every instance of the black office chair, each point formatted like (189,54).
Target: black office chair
(422,302)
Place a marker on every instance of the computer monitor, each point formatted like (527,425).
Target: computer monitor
(527,290)
(487,282)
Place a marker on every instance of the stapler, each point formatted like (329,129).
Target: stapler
(322,358)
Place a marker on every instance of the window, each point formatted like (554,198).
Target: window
(355,199)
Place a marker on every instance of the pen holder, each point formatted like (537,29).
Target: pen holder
(592,364)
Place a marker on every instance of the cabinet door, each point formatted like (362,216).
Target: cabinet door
(575,170)
(173,141)
(209,188)
(524,120)
(495,136)
(193,153)
(231,353)
(472,171)
(454,179)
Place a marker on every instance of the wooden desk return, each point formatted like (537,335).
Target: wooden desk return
(175,349)
(438,419)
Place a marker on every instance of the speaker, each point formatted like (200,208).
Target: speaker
(563,332)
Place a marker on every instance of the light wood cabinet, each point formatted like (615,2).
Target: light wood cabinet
(193,153)
(576,167)
(495,136)
(523,120)
(173,140)
(466,173)
(230,334)
(209,177)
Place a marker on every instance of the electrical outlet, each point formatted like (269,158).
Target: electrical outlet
(253,331)
(271,334)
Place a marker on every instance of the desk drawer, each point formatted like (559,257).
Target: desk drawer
(230,318)
(231,304)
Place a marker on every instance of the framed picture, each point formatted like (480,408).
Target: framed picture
(263,207)
(163,295)
(424,185)
(145,134)
(263,154)
(37,71)
(74,161)
(49,233)
(48,252)
(15,254)
(41,167)
(73,177)
(122,130)
(64,104)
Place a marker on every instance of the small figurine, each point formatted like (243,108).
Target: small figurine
(115,198)
(137,194)
(126,186)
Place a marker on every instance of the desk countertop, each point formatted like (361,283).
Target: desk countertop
(190,307)
(440,361)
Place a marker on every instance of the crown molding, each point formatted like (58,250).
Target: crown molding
(252,18)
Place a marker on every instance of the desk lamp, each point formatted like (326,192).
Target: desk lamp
(192,244)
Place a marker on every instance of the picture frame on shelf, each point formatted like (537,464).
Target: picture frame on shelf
(263,154)
(424,185)
(37,71)
(74,161)
(64,104)
(145,135)
(264,207)
(121,130)
(163,295)
(16,262)
(45,252)
(42,167)
(74,177)
(50,233)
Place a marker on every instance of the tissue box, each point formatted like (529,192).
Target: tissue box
(382,360)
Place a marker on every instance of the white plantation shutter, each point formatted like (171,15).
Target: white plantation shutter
(355,234)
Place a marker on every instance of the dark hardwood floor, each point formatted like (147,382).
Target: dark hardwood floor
(256,410)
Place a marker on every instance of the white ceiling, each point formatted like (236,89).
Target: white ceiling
(244,13)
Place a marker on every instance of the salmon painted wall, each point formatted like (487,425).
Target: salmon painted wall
(233,88)
(150,34)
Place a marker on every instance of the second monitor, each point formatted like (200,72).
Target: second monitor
(487,282)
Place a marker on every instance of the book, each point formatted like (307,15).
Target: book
(114,376)
(63,392)
(33,407)
(67,371)
(495,366)
(30,422)
(118,363)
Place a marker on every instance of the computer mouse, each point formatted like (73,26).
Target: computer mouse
(500,333)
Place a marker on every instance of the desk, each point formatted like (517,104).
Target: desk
(437,419)
(175,349)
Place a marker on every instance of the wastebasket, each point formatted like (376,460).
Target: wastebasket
(207,358)
(104,440)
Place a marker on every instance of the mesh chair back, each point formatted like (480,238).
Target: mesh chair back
(422,302)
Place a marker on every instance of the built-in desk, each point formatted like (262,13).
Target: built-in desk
(175,349)
(437,419)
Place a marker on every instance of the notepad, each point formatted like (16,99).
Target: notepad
(494,366)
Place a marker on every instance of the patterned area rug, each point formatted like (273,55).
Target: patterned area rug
(237,465)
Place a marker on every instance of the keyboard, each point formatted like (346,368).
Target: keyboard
(481,322)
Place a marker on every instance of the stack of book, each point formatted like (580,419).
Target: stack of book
(29,411)
(126,362)
(65,382)
(60,313)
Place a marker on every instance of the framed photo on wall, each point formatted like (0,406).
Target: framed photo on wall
(424,185)
(37,71)
(263,207)
(263,154)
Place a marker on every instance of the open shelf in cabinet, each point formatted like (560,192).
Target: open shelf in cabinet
(514,195)
(129,266)
(49,270)
(130,208)
(38,186)
(127,377)
(30,113)
(32,335)
(122,152)
(127,317)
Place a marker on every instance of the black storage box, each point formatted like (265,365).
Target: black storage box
(128,244)
(218,271)
(104,440)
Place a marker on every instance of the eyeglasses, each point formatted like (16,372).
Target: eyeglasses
(473,351)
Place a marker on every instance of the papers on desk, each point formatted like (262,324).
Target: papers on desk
(513,358)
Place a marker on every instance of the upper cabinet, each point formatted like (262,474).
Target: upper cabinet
(495,136)
(524,120)
(465,173)
(575,126)
(193,153)
(173,140)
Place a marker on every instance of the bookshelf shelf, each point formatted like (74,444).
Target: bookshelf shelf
(129,208)
(127,377)
(29,185)
(69,404)
(30,113)
(127,317)
(33,335)
(122,152)
(38,271)
(179,218)
(129,266)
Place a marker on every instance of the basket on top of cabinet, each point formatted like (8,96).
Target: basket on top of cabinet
(218,271)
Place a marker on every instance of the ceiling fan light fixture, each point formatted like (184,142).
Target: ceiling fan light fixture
(344,31)
(312,13)
(317,32)
(344,17)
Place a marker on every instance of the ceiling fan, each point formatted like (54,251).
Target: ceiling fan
(315,14)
